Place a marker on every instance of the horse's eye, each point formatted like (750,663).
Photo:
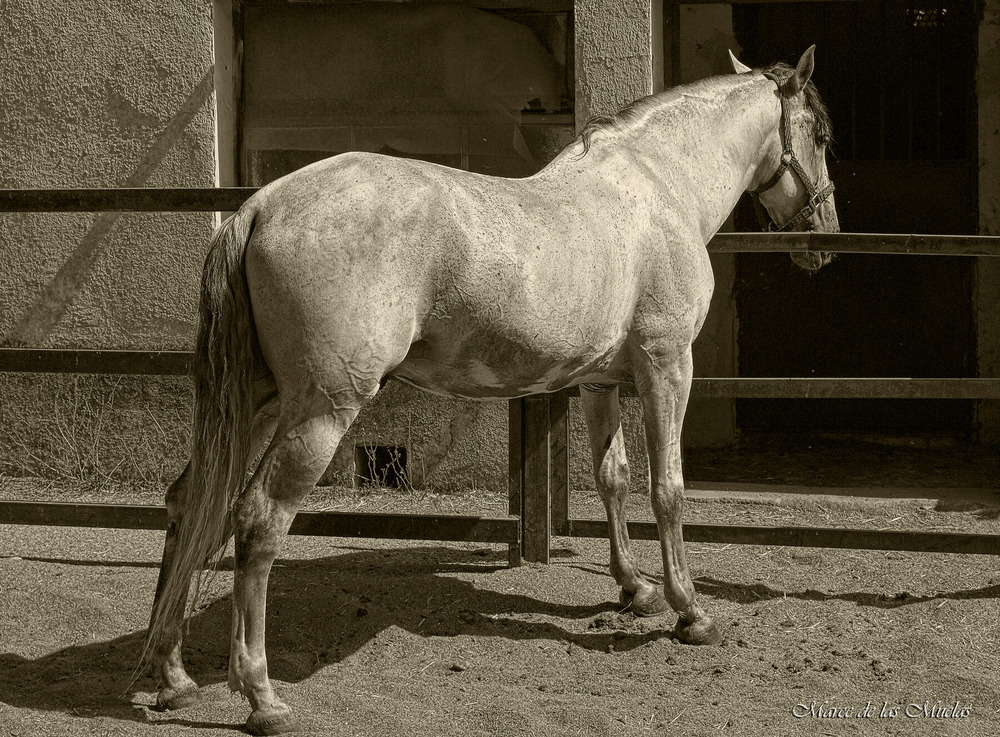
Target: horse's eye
(823,140)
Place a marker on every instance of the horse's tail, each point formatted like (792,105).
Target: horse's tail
(227,358)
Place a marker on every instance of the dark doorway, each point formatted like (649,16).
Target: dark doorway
(898,78)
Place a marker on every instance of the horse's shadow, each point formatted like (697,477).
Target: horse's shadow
(320,611)
(749,593)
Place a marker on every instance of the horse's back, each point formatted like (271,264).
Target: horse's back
(457,282)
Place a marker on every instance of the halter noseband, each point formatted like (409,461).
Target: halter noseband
(816,196)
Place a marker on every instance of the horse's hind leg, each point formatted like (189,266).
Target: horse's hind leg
(299,453)
(611,471)
(178,689)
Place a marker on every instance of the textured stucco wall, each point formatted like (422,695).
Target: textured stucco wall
(987,287)
(618,50)
(117,94)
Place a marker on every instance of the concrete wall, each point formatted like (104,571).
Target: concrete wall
(987,275)
(123,96)
(115,95)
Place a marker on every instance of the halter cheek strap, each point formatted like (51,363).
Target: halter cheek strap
(817,196)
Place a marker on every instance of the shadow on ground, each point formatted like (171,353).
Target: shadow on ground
(320,611)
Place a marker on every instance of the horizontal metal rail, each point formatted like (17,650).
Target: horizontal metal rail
(224,199)
(503,530)
(806,537)
(178,363)
(140,199)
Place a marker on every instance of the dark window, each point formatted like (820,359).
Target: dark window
(484,91)
(380,465)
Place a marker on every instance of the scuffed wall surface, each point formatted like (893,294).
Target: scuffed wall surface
(987,294)
(118,95)
(452,444)
(614,55)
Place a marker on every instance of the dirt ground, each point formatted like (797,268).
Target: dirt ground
(371,637)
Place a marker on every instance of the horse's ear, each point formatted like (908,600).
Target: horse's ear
(803,71)
(738,66)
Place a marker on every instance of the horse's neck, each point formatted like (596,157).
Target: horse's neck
(703,142)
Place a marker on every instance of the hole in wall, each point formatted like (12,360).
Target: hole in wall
(380,465)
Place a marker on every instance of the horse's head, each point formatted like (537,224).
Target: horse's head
(792,183)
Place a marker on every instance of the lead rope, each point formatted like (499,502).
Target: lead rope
(816,196)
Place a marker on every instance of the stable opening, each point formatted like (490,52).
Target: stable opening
(380,465)
(904,161)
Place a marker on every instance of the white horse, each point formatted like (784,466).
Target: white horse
(361,267)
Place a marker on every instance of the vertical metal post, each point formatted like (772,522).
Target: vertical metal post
(559,460)
(515,473)
(536,521)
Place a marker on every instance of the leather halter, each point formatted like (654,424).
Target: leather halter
(817,196)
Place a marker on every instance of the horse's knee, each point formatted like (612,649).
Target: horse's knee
(667,500)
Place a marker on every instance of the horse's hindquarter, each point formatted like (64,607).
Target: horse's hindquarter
(339,267)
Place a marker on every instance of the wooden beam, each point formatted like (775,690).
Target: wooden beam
(73,361)
(743,387)
(178,363)
(505,529)
(515,472)
(536,495)
(210,199)
(322,524)
(808,537)
(846,388)
(559,460)
(909,244)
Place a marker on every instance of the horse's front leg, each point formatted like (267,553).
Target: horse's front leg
(611,472)
(663,378)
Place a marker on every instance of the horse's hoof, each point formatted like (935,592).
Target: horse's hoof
(272,721)
(699,632)
(171,699)
(648,601)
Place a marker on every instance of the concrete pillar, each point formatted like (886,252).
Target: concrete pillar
(619,54)
(987,273)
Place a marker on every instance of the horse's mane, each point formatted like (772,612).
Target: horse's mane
(822,126)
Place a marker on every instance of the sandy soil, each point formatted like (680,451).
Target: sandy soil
(387,637)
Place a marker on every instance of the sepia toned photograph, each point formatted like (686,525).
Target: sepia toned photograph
(493,368)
